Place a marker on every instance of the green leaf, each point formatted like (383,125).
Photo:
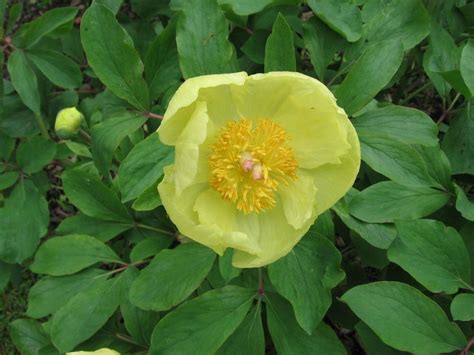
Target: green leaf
(14,14)
(435,255)
(72,253)
(110,52)
(93,198)
(249,7)
(322,44)
(215,316)
(463,204)
(5,274)
(58,68)
(143,166)
(458,143)
(161,62)
(18,240)
(280,47)
(254,47)
(107,135)
(387,201)
(466,67)
(35,153)
(112,5)
(34,31)
(290,339)
(149,247)
(377,235)
(404,318)
(361,85)
(148,200)
(85,314)
(8,179)
(227,270)
(51,293)
(306,276)
(139,323)
(102,230)
(249,338)
(182,270)
(28,336)
(24,80)
(403,124)
(371,342)
(462,307)
(406,22)
(79,149)
(17,120)
(202,39)
(342,16)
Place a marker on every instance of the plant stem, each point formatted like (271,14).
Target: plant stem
(152,115)
(448,110)
(416,92)
(42,126)
(144,226)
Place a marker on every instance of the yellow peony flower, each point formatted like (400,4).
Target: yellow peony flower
(258,158)
(68,122)
(103,351)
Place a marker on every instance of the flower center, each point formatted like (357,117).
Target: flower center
(248,163)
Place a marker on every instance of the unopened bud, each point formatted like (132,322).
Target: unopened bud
(68,122)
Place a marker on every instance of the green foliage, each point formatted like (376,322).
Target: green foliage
(388,270)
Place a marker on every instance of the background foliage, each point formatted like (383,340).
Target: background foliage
(83,234)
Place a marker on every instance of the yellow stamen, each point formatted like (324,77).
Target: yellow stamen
(247,165)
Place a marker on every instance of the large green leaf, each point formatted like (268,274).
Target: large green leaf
(322,44)
(215,316)
(161,62)
(107,135)
(290,339)
(372,343)
(58,68)
(462,307)
(172,276)
(24,80)
(387,201)
(458,143)
(110,52)
(404,318)
(51,293)
(35,153)
(100,229)
(305,278)
(143,166)
(376,234)
(33,32)
(407,22)
(403,124)
(93,198)
(23,221)
(85,314)
(463,204)
(361,85)
(28,336)
(249,338)
(435,255)
(280,48)
(72,253)
(466,67)
(202,39)
(342,16)
(139,323)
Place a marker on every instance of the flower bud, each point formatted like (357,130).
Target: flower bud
(68,122)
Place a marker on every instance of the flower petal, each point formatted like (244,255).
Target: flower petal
(298,199)
(334,180)
(276,239)
(181,105)
(304,107)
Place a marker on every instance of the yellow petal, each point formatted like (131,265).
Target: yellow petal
(276,238)
(334,180)
(304,107)
(298,199)
(187,147)
(182,104)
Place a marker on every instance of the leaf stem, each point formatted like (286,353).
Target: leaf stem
(42,126)
(448,110)
(416,92)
